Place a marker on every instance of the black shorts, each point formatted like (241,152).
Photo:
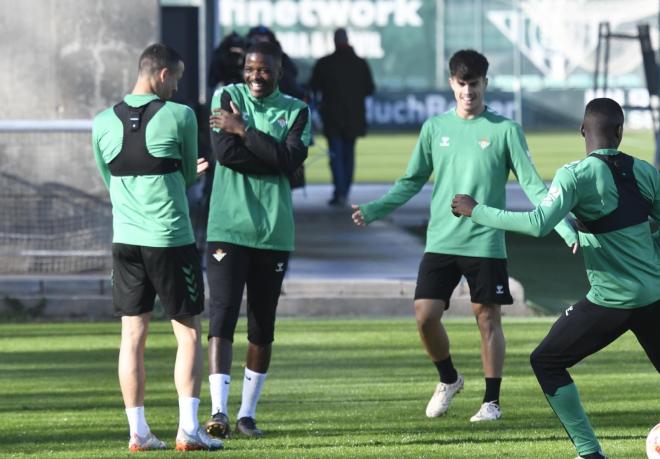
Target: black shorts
(230,268)
(584,329)
(439,275)
(173,273)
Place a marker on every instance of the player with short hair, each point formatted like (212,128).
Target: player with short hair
(467,148)
(146,151)
(612,195)
(260,139)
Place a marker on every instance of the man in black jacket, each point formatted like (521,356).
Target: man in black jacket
(343,81)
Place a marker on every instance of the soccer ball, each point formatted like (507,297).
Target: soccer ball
(653,443)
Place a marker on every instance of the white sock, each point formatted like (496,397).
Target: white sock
(219,387)
(252,385)
(137,423)
(188,414)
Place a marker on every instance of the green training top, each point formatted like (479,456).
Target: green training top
(623,266)
(471,157)
(150,210)
(251,209)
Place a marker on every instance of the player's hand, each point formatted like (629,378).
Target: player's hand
(230,122)
(357,216)
(462,204)
(202,166)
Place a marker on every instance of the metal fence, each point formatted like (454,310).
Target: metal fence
(48,222)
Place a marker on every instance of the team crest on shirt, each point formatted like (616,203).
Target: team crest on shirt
(281,121)
(484,143)
(219,255)
(444,141)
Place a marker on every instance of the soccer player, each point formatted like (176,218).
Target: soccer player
(612,195)
(146,150)
(260,137)
(467,148)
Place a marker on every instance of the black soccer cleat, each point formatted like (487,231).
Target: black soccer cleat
(247,426)
(218,426)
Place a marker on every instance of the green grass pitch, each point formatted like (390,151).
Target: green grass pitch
(337,388)
(382,158)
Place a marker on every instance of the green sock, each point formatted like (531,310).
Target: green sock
(566,405)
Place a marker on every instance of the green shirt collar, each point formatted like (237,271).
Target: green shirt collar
(263,100)
(138,100)
(605,151)
(471,120)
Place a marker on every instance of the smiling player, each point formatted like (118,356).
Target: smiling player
(260,137)
(466,148)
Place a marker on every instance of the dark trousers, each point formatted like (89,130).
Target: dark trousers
(584,329)
(342,164)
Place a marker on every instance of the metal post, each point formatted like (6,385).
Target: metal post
(440,80)
(517,66)
(607,57)
(478,25)
(598,51)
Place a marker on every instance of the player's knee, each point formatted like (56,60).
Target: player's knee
(538,362)
(428,311)
(261,337)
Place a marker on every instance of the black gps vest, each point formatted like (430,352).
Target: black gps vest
(632,209)
(134,158)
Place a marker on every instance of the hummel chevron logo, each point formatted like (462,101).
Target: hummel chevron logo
(570,308)
(191,282)
(219,255)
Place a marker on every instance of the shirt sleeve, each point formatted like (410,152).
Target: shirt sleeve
(189,147)
(285,156)
(418,172)
(557,203)
(655,209)
(530,182)
(229,149)
(98,157)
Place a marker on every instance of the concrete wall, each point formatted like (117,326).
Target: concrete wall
(65,59)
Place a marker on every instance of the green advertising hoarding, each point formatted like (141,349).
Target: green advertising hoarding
(397,37)
(542,52)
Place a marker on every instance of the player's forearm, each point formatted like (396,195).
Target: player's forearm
(530,223)
(285,156)
(567,232)
(402,191)
(230,152)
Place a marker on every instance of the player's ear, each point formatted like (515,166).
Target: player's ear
(619,132)
(582,130)
(485,82)
(162,74)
